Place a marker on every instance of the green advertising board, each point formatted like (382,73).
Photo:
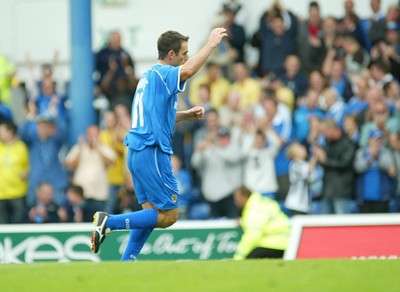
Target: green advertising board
(187,240)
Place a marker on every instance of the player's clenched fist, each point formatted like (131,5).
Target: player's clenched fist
(195,113)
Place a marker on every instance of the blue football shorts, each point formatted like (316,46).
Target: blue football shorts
(153,178)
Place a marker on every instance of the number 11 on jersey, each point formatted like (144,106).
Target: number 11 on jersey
(137,116)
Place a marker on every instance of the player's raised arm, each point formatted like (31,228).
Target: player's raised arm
(194,63)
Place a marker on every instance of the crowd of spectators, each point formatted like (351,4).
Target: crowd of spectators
(314,125)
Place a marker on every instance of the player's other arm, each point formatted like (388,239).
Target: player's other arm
(194,113)
(194,63)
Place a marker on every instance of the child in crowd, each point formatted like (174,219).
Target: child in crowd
(259,169)
(301,174)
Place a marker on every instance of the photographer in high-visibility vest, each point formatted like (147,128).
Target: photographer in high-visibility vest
(266,228)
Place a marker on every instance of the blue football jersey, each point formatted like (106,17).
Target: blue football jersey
(154,108)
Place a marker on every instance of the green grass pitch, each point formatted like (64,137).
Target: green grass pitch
(249,276)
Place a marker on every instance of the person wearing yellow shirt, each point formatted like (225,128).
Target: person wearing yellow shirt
(283,93)
(249,88)
(266,228)
(113,137)
(7,80)
(14,167)
(219,86)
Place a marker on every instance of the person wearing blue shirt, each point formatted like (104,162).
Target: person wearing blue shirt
(45,135)
(358,103)
(293,78)
(112,52)
(301,115)
(340,81)
(48,99)
(154,113)
(377,171)
(275,40)
(332,104)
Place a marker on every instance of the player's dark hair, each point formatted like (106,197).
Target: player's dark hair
(170,40)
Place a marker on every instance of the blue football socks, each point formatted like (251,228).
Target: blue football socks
(137,238)
(143,219)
